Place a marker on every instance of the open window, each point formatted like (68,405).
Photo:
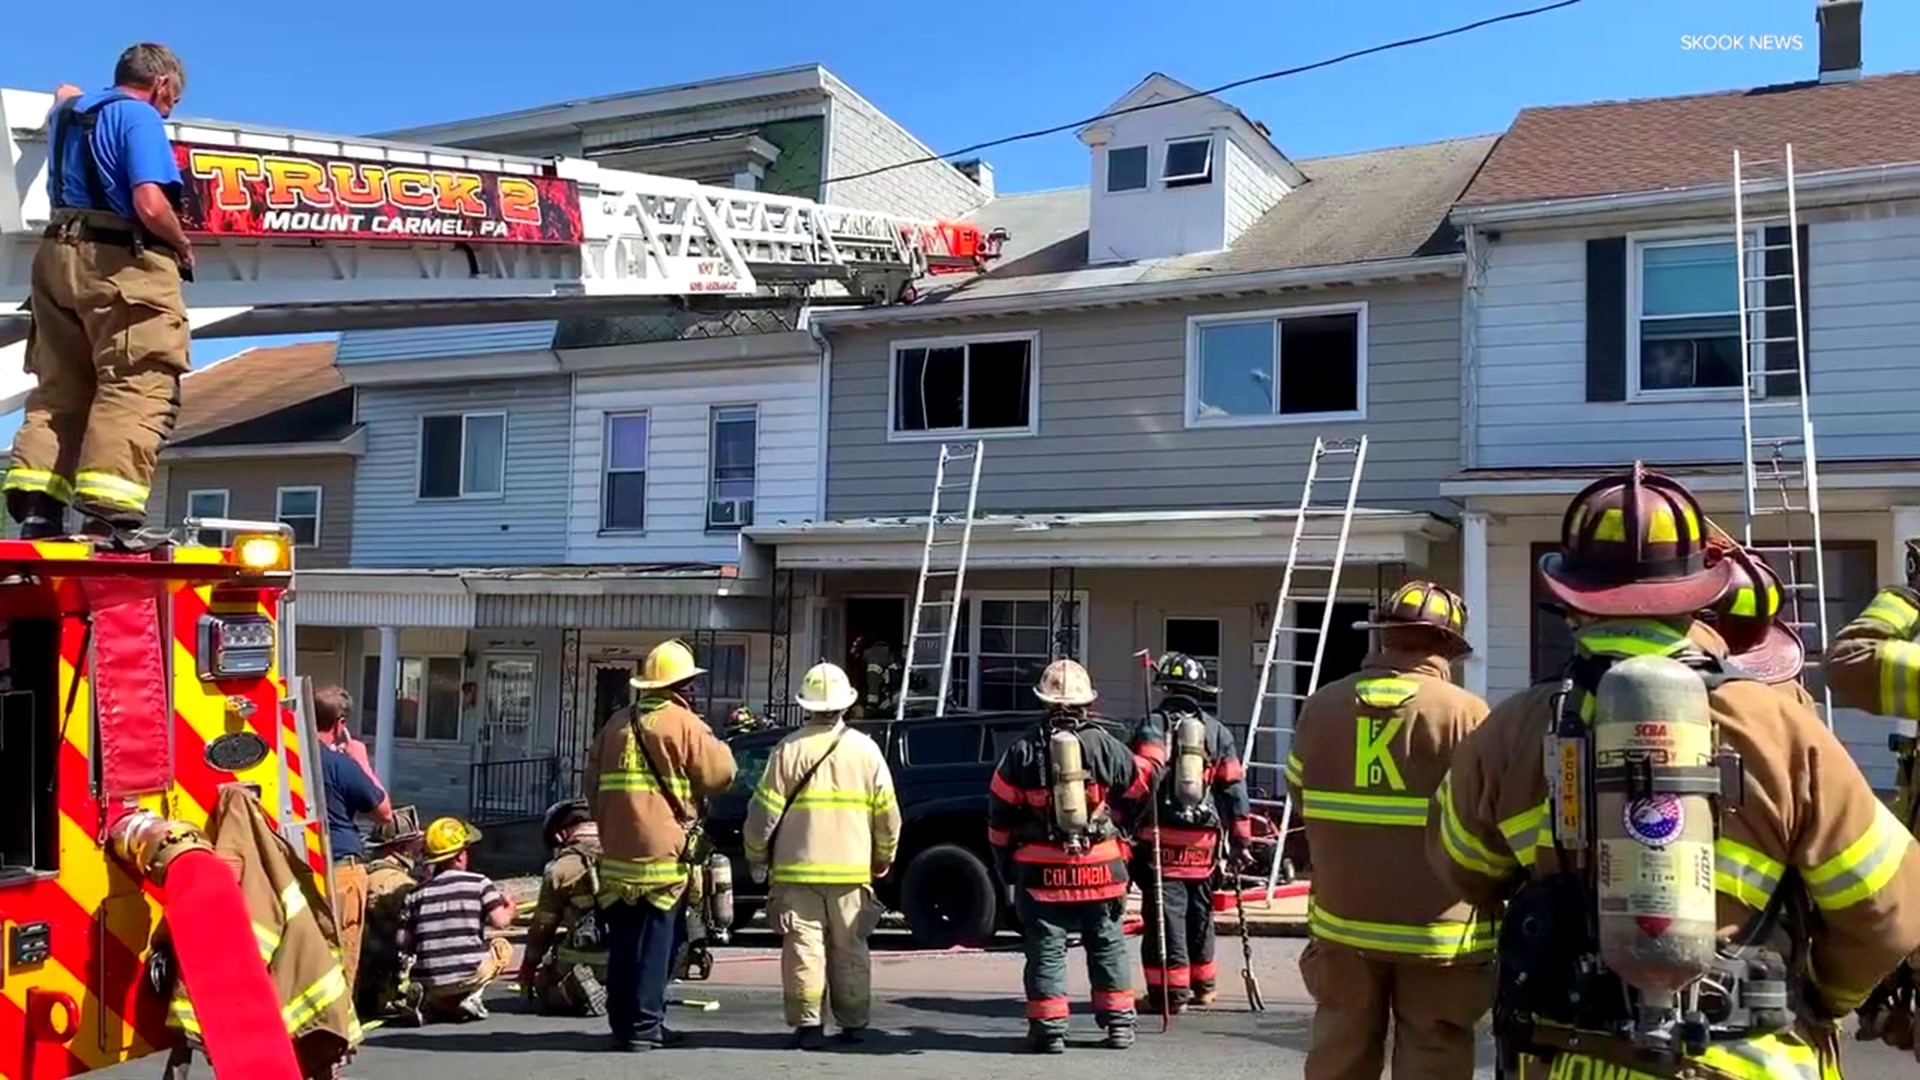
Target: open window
(1189,163)
(29,749)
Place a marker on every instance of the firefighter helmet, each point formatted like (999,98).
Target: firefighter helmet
(448,837)
(669,664)
(561,816)
(1065,682)
(404,826)
(1748,620)
(1423,604)
(1177,669)
(825,689)
(1633,545)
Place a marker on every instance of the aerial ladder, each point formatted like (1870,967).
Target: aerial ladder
(943,560)
(297,233)
(1316,555)
(1781,477)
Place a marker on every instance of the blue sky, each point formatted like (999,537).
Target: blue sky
(953,74)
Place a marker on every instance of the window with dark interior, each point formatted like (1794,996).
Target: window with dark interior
(1688,322)
(1266,366)
(976,385)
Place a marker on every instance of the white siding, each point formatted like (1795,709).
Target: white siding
(679,404)
(1251,189)
(1864,295)
(861,137)
(1159,222)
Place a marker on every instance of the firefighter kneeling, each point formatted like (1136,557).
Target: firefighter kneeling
(382,986)
(564,970)
(1699,881)
(1204,793)
(1050,821)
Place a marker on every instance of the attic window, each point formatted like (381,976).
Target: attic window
(1189,163)
(1127,168)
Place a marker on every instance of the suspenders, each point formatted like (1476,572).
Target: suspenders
(72,122)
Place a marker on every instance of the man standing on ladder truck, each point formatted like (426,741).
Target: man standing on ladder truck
(1051,821)
(1390,940)
(108,338)
(1874,666)
(1791,890)
(1202,791)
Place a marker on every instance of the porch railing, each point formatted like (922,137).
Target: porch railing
(518,790)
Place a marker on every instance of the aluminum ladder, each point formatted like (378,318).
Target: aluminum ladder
(954,536)
(1270,731)
(1782,477)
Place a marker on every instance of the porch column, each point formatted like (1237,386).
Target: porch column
(384,717)
(1893,558)
(1473,581)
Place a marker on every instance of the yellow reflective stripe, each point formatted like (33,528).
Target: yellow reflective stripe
(108,488)
(40,480)
(268,941)
(1892,610)
(1461,845)
(1386,692)
(819,799)
(1746,874)
(642,780)
(1526,833)
(812,873)
(1866,865)
(1899,679)
(1363,809)
(1436,940)
(305,1007)
(1767,1057)
(667,870)
(1630,637)
(770,800)
(882,800)
(1294,769)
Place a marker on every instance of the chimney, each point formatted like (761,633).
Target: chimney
(1839,22)
(979,172)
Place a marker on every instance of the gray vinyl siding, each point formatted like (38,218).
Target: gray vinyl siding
(1112,401)
(861,138)
(252,489)
(441,342)
(525,525)
(1863,317)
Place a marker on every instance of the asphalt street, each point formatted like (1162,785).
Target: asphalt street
(944,1016)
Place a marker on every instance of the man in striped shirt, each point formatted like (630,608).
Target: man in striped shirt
(446,926)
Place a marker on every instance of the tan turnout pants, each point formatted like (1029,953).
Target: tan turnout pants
(350,913)
(108,343)
(1431,1008)
(495,964)
(823,948)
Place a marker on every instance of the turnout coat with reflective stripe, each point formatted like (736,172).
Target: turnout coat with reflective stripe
(641,841)
(836,828)
(1368,753)
(1874,663)
(1188,850)
(1806,808)
(1020,812)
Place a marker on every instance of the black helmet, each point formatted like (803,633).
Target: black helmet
(1180,670)
(563,815)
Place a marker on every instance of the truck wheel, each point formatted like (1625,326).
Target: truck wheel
(948,897)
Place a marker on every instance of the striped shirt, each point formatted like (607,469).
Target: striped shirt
(447,925)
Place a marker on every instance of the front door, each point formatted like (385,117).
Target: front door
(1346,647)
(612,690)
(509,689)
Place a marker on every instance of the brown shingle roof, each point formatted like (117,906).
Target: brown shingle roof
(252,384)
(1617,147)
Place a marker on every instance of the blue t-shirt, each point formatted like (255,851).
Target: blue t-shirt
(350,791)
(130,143)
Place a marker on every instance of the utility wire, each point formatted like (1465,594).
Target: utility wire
(1222,88)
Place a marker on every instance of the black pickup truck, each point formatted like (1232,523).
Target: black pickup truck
(943,879)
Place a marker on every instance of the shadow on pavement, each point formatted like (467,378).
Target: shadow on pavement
(480,1038)
(998,1008)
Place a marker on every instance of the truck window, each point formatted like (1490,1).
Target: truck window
(748,763)
(29,748)
(945,744)
(1006,735)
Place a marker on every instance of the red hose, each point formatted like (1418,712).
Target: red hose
(233,995)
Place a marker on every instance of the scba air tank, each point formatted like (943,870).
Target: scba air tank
(1069,783)
(1190,762)
(720,896)
(1654,859)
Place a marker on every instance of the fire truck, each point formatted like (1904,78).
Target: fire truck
(135,687)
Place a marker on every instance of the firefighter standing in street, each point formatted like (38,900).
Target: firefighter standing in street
(1392,944)
(392,875)
(1202,792)
(823,825)
(1830,872)
(1748,620)
(108,337)
(564,967)
(1051,823)
(647,773)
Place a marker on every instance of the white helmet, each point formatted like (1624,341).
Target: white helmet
(825,689)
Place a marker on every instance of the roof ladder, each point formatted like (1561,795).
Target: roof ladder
(1782,475)
(944,556)
(1335,468)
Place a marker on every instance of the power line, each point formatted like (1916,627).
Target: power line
(1222,88)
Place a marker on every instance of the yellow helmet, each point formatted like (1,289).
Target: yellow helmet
(448,837)
(826,689)
(669,663)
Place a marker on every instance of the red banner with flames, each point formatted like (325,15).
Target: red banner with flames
(236,192)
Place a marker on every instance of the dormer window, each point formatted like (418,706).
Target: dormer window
(1189,163)
(1127,169)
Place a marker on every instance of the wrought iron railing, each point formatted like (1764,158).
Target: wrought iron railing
(518,790)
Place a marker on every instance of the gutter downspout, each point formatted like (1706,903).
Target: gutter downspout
(826,410)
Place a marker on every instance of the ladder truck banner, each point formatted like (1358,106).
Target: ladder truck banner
(231,191)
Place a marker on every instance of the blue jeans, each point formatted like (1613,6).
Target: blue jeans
(640,946)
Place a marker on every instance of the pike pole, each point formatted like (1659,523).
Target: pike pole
(1145,657)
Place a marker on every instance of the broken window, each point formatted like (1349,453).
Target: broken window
(1262,367)
(983,385)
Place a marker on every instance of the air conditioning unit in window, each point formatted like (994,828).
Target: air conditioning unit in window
(730,513)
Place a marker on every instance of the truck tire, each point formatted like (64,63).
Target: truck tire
(949,898)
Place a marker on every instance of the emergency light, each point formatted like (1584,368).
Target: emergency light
(262,552)
(235,646)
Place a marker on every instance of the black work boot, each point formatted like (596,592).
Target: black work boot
(1119,1034)
(40,515)
(1045,1040)
(810,1037)
(852,1036)
(120,532)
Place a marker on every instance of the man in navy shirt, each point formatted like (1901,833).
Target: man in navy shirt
(108,339)
(351,789)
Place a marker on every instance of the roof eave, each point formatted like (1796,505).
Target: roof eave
(1209,285)
(351,445)
(1881,181)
